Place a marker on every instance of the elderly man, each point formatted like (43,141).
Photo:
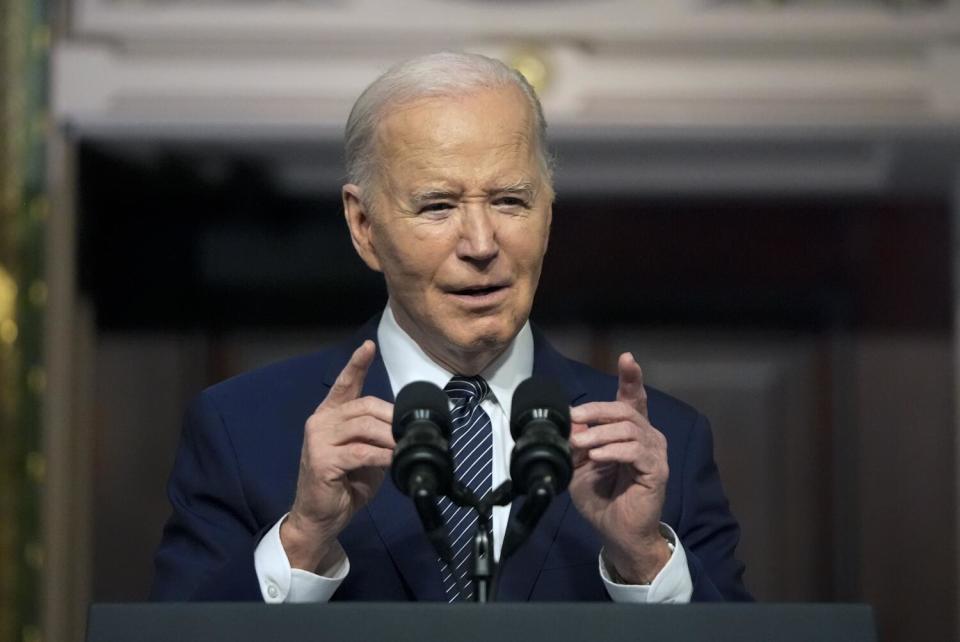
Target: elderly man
(277,489)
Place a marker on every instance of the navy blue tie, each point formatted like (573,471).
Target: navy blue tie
(471,445)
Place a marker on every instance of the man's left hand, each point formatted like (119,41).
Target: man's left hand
(620,476)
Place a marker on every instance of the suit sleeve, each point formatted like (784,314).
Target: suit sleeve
(207,550)
(707,530)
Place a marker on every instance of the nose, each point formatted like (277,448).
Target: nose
(478,235)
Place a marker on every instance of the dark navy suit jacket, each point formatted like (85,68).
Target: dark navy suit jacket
(235,475)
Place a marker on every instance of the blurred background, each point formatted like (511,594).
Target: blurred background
(758,198)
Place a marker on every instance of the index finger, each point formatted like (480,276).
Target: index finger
(630,385)
(349,382)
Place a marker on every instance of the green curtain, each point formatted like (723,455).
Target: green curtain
(24,47)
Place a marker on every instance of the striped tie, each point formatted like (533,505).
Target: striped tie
(471,445)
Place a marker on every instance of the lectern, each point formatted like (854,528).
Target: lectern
(503,622)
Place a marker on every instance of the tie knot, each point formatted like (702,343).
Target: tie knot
(467,390)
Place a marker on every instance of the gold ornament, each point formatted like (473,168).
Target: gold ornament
(8,296)
(533,66)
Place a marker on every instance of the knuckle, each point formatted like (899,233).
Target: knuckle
(306,448)
(367,404)
(352,407)
(313,423)
(368,426)
(661,439)
(358,452)
(663,471)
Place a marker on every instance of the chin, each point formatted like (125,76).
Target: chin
(485,339)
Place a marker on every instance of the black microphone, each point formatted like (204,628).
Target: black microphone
(421,428)
(422,467)
(540,465)
(540,425)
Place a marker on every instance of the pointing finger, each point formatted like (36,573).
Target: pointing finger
(349,382)
(630,388)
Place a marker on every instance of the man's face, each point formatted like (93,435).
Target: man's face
(459,222)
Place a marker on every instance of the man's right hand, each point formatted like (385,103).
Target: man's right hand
(347,446)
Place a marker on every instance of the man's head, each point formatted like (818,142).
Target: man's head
(450,197)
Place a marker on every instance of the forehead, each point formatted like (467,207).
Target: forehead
(483,135)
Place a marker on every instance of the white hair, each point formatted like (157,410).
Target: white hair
(438,74)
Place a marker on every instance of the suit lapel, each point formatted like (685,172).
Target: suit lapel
(520,572)
(393,513)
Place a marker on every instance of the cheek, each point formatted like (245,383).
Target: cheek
(530,248)
(414,256)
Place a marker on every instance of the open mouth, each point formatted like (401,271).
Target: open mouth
(479,292)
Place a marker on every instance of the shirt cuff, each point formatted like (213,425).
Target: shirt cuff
(280,583)
(672,585)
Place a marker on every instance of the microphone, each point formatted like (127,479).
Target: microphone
(422,467)
(540,465)
(540,425)
(421,428)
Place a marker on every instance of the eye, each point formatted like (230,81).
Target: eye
(435,208)
(511,201)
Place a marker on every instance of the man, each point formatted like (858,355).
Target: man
(278,489)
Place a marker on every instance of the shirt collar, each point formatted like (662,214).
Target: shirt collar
(406,362)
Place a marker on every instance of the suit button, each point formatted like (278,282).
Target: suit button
(272,591)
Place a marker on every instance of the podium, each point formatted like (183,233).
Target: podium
(500,622)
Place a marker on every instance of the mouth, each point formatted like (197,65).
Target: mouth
(480,295)
(478,291)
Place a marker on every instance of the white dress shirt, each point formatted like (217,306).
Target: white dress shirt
(406,362)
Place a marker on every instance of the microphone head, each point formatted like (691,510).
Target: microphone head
(421,400)
(540,398)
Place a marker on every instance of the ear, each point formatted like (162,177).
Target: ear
(359,222)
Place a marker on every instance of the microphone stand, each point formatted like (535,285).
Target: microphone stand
(484,567)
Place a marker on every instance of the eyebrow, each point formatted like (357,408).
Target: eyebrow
(519,187)
(434,195)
